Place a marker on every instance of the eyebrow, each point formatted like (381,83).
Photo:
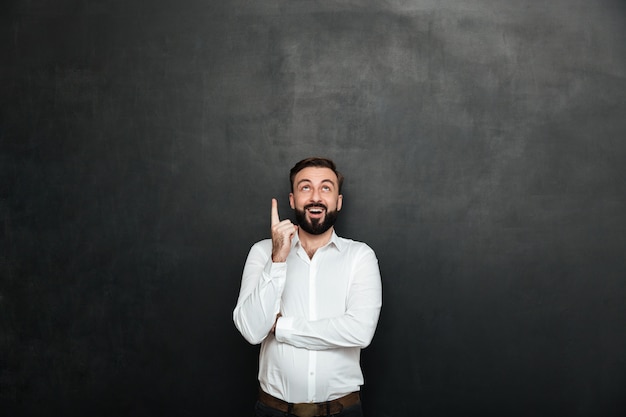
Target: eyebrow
(308,180)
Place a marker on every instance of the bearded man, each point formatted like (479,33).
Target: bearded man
(312,300)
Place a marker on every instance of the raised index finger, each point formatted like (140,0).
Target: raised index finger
(275,218)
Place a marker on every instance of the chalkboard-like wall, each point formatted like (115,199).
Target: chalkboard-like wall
(484,148)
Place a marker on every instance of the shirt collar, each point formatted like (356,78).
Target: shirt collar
(334,240)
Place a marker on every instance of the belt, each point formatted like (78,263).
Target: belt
(310,409)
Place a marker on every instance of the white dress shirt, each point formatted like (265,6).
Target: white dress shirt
(330,306)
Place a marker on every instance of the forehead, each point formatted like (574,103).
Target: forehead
(315,175)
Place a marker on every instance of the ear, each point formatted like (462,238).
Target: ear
(291,202)
(339,202)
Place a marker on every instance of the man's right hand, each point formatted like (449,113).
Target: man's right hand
(273,331)
(282,233)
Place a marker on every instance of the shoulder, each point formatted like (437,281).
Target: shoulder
(262,247)
(259,252)
(354,246)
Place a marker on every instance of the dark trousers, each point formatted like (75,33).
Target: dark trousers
(262,410)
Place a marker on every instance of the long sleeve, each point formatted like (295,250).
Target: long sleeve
(262,285)
(356,326)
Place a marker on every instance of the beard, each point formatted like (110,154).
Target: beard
(315,226)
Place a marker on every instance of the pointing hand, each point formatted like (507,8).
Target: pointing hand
(282,234)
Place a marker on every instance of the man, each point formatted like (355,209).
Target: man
(312,299)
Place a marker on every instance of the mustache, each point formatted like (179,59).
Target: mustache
(318,205)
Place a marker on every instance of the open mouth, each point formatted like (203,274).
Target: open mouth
(315,211)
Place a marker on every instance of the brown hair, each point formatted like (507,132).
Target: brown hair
(317,163)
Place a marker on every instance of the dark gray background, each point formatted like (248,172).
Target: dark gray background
(484,148)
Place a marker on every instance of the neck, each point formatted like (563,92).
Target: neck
(311,243)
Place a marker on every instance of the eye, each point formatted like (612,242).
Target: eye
(326,188)
(305,188)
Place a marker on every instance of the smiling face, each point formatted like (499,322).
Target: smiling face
(316,199)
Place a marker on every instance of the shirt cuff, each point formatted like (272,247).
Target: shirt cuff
(274,270)
(284,325)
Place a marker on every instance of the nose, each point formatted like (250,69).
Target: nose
(315,195)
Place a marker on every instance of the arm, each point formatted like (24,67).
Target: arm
(263,281)
(262,285)
(354,328)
